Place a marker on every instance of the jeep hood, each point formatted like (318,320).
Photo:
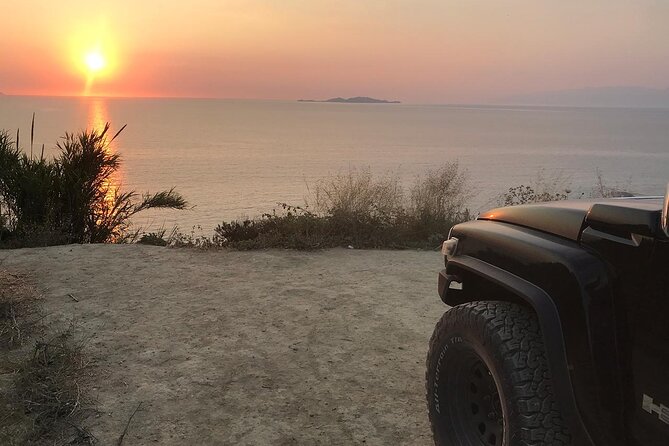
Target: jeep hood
(568,218)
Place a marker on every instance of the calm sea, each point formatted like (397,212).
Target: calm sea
(231,158)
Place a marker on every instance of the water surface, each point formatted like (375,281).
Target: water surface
(231,158)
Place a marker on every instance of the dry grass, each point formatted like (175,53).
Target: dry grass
(603,189)
(20,311)
(358,209)
(41,398)
(49,389)
(359,192)
(440,194)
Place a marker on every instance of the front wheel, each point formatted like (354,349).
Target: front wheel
(488,382)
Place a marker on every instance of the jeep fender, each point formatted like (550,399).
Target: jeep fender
(567,286)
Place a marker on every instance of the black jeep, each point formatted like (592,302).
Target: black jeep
(559,331)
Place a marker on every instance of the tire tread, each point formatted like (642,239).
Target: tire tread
(515,333)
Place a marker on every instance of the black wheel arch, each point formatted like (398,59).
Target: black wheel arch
(493,283)
(570,287)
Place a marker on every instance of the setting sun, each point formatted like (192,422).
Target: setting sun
(91,54)
(95,61)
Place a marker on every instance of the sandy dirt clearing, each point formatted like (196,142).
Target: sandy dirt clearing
(247,348)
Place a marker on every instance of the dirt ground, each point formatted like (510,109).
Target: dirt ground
(247,348)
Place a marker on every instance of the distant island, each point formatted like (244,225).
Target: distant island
(355,100)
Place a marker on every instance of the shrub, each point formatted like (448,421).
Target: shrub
(292,227)
(439,194)
(555,188)
(26,187)
(194,239)
(544,188)
(359,192)
(526,194)
(73,198)
(153,239)
(438,200)
(360,210)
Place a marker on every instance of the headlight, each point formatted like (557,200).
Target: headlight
(449,247)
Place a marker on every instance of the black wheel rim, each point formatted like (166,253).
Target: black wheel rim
(485,408)
(473,414)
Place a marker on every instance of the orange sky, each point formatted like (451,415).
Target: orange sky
(430,51)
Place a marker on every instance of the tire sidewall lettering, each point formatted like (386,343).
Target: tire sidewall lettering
(455,340)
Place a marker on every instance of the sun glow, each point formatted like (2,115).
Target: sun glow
(95,64)
(93,55)
(95,61)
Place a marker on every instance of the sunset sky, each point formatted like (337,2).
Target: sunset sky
(428,51)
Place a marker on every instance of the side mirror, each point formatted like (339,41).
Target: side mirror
(665,213)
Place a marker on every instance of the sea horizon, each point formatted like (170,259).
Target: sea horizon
(475,104)
(233,158)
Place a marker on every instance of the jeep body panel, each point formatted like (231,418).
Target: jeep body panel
(568,218)
(560,218)
(639,270)
(595,273)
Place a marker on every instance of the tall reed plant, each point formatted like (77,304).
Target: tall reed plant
(73,198)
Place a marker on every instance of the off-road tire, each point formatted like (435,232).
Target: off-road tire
(504,340)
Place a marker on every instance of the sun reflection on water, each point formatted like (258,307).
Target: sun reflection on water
(98,117)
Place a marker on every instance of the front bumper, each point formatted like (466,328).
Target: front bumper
(444,285)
